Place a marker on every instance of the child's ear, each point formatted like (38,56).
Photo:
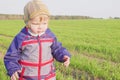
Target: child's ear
(28,24)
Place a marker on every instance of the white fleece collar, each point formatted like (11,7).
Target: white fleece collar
(29,31)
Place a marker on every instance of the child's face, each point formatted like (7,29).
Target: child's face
(39,24)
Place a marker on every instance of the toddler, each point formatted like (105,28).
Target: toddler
(32,52)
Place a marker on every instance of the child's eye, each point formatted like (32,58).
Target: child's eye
(36,23)
(44,23)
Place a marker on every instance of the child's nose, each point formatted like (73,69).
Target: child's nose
(40,26)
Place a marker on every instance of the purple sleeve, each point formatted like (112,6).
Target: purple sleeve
(12,57)
(58,51)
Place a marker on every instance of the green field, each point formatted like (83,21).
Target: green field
(93,43)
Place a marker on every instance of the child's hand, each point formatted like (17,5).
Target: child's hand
(67,61)
(15,76)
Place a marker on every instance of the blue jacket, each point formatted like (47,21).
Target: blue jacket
(16,51)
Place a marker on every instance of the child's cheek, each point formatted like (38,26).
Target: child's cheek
(43,27)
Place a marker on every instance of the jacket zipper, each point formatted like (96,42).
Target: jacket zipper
(40,55)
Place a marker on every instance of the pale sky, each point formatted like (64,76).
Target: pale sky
(92,8)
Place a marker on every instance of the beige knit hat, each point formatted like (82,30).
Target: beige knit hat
(33,9)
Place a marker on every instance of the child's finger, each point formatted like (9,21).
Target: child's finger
(16,75)
(66,63)
(13,77)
